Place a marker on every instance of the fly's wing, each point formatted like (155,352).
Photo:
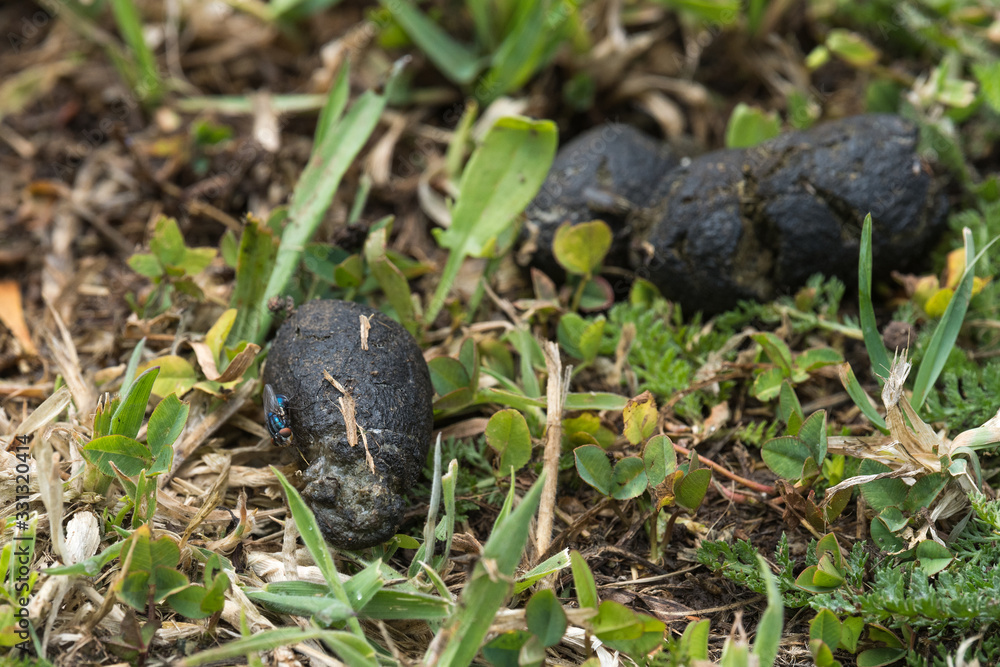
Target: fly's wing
(271,405)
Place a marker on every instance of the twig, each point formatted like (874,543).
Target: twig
(734,496)
(553,445)
(750,484)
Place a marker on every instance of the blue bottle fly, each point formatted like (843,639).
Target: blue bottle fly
(276,417)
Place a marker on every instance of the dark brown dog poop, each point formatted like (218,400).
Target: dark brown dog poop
(356,480)
(607,173)
(754,223)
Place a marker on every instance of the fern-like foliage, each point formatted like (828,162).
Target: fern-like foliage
(969,395)
(756,433)
(667,352)
(738,562)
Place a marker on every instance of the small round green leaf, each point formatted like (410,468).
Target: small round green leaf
(580,338)
(146,265)
(507,432)
(785,456)
(448,375)
(593,467)
(580,249)
(850,632)
(748,126)
(852,47)
(826,627)
(176,375)
(545,617)
(767,385)
(350,272)
(884,538)
(690,491)
(822,655)
(503,650)
(660,460)
(628,479)
(583,581)
(131,456)
(933,557)
(882,493)
(880,657)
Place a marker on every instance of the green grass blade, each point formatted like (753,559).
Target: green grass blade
(501,178)
(262,641)
(146,83)
(947,330)
(869,329)
(768,640)
(860,397)
(482,19)
(406,605)
(312,537)
(487,587)
(460,140)
(520,54)
(389,277)
(426,551)
(448,483)
(455,61)
(127,419)
(279,8)
(336,102)
(255,258)
(529,350)
(317,186)
(133,364)
(551,565)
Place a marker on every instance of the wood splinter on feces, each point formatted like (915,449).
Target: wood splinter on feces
(347,408)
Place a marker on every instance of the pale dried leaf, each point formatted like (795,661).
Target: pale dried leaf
(432,203)
(240,363)
(269,568)
(64,353)
(238,608)
(864,479)
(50,488)
(379,162)
(83,537)
(555,392)
(48,411)
(266,128)
(914,440)
(981,436)
(467,428)
(665,111)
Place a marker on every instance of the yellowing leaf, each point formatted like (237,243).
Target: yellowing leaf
(852,48)
(580,249)
(938,302)
(216,336)
(176,376)
(954,267)
(640,417)
(924,289)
